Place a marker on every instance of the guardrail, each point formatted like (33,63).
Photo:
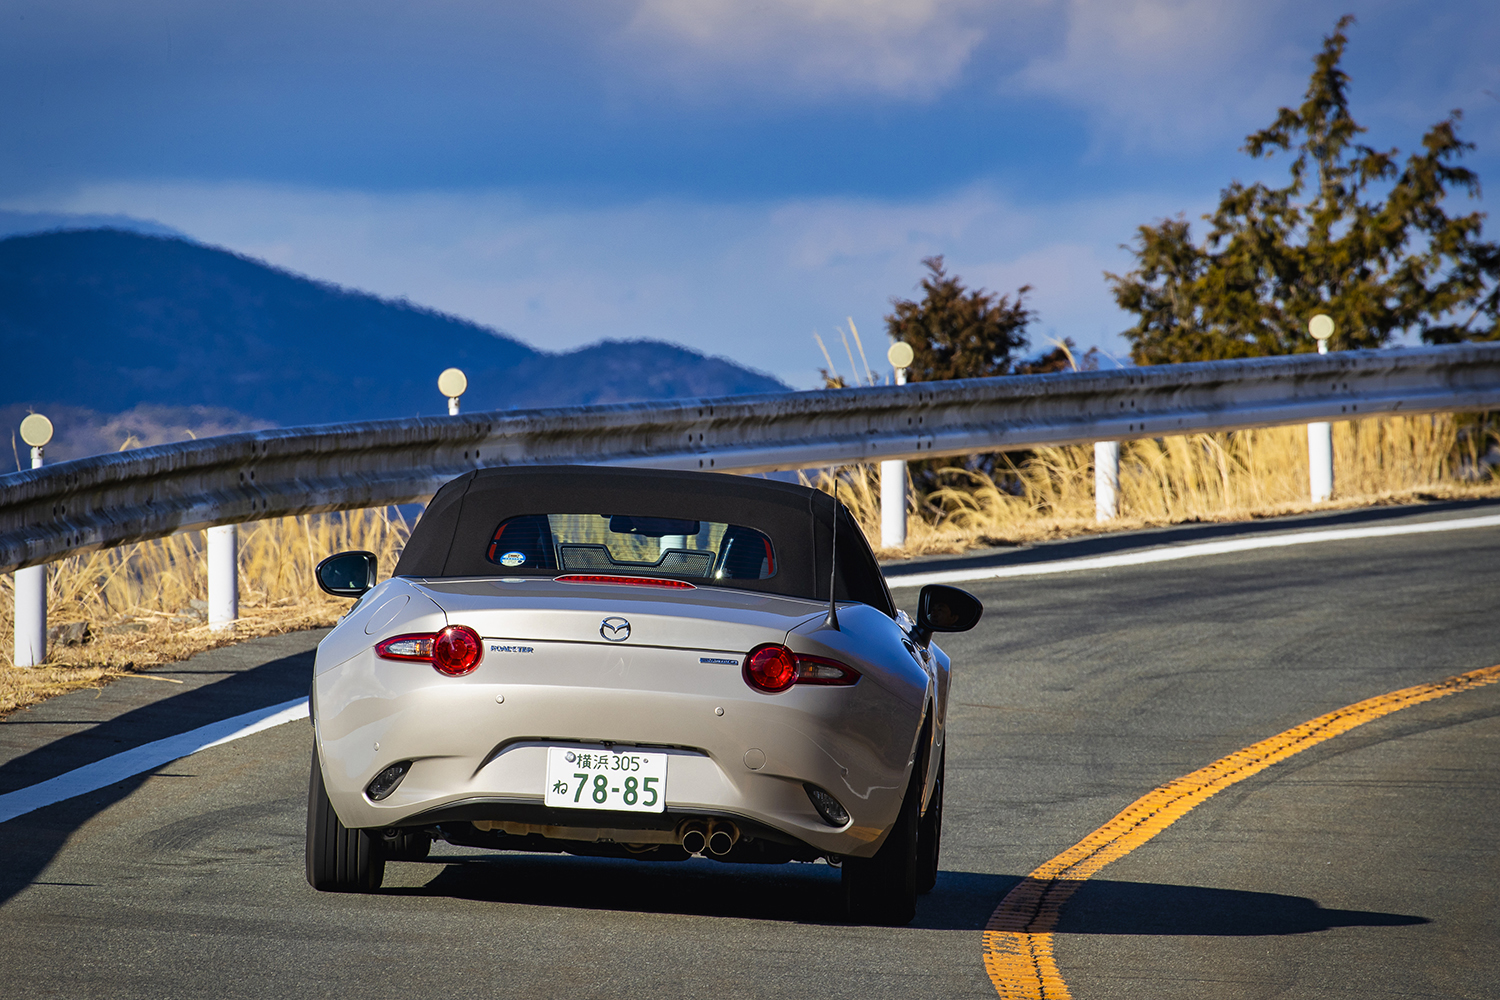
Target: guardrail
(150,492)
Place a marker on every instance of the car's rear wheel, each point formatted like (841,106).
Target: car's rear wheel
(930,836)
(338,859)
(883,889)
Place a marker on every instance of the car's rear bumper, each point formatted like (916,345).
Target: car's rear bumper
(478,744)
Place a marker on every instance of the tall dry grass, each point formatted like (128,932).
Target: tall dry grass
(145,603)
(1199,477)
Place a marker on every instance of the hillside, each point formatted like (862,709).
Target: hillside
(109,321)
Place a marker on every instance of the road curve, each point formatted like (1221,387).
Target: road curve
(1362,866)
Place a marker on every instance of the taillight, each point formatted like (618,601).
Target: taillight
(773,668)
(407,647)
(454,651)
(821,670)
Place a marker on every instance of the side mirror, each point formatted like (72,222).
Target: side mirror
(347,574)
(945,609)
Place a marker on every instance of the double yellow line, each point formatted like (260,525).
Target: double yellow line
(1018,938)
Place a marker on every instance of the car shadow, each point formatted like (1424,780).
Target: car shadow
(811,894)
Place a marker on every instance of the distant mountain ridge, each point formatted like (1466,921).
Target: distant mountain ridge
(110,320)
(14,223)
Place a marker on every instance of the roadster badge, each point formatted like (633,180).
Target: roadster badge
(615,629)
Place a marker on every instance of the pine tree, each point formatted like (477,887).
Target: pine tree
(1325,242)
(957,333)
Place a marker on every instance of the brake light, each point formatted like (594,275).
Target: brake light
(454,651)
(630,581)
(773,668)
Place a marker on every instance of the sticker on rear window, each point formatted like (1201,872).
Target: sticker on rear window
(512,559)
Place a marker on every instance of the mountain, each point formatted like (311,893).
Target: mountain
(111,321)
(13,223)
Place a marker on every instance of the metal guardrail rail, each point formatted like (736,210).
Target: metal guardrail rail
(150,492)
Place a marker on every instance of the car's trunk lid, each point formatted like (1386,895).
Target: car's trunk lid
(543,610)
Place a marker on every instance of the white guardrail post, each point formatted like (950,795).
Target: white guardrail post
(1106,480)
(1320,460)
(1320,433)
(223,576)
(893,503)
(893,494)
(31,582)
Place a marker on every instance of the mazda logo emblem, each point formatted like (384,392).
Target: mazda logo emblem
(615,629)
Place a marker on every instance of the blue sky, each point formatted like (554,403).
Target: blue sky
(723,174)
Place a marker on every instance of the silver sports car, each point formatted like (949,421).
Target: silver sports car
(636,664)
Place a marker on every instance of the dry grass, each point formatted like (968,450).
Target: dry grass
(144,603)
(1201,477)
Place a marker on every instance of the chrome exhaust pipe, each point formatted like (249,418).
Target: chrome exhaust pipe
(722,836)
(693,835)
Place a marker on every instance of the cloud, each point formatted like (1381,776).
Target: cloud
(707,98)
(748,280)
(1161,73)
(902,48)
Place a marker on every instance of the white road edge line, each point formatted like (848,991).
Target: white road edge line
(1171,553)
(103,773)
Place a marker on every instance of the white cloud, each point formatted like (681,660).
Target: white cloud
(1146,73)
(1161,73)
(750,281)
(898,47)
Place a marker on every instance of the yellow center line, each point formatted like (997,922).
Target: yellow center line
(1018,937)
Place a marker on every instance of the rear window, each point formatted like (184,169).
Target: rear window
(656,546)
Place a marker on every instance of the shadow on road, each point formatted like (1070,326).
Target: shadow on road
(1104,907)
(811,894)
(802,893)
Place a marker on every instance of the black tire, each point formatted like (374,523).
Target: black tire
(930,836)
(406,845)
(338,859)
(883,889)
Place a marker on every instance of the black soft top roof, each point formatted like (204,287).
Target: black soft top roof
(451,538)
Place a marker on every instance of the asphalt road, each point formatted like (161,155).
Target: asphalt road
(1364,867)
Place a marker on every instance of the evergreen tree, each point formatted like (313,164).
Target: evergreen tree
(957,333)
(1325,242)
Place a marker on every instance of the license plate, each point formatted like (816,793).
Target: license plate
(624,781)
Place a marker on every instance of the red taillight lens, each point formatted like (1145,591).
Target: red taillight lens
(772,669)
(456,651)
(407,647)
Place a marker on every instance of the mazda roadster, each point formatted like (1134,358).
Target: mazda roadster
(633,664)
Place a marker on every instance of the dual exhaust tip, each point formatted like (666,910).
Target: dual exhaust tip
(716,836)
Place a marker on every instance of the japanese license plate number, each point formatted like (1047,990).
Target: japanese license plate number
(625,781)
